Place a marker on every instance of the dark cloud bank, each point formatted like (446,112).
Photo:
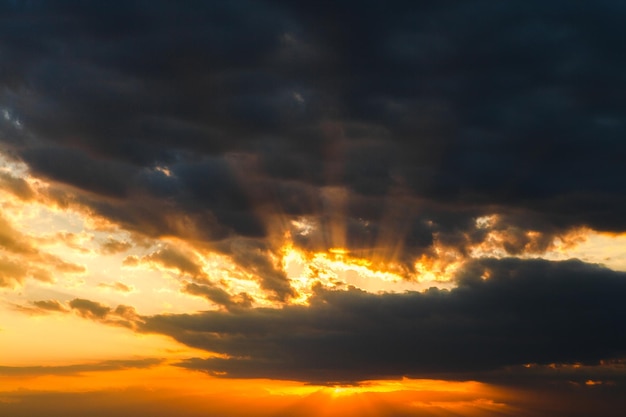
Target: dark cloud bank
(527,312)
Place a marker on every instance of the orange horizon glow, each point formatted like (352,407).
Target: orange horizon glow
(196,392)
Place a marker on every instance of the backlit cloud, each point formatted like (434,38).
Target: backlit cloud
(503,313)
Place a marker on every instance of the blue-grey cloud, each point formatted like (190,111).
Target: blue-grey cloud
(504,313)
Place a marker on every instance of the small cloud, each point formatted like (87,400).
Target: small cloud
(288,39)
(219,296)
(122,315)
(89,309)
(170,258)
(117,286)
(164,170)
(11,273)
(131,261)
(67,267)
(126,312)
(593,382)
(298,97)
(41,307)
(111,365)
(113,246)
(50,305)
(16,186)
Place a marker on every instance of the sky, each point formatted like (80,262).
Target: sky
(347,208)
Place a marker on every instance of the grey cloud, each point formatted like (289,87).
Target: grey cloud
(170,257)
(122,315)
(118,286)
(254,256)
(113,246)
(218,295)
(525,312)
(96,175)
(89,309)
(110,365)
(50,305)
(16,185)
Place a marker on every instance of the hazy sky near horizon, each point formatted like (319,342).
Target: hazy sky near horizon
(304,208)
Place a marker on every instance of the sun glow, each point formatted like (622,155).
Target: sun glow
(198,394)
(438,270)
(335,268)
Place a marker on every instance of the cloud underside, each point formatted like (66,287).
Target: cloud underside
(528,312)
(383,135)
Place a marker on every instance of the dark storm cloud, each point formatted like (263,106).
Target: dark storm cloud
(98,176)
(425,115)
(525,312)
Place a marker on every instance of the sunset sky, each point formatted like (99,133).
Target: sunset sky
(305,208)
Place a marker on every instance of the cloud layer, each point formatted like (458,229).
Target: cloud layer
(503,313)
(375,124)
(526,312)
